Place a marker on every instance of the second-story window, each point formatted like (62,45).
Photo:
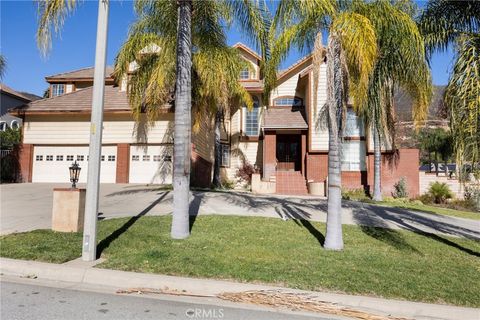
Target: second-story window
(288,102)
(353,125)
(244,74)
(251,119)
(58,89)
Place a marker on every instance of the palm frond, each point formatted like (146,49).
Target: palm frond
(51,17)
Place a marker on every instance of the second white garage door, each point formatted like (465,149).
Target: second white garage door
(151,164)
(50,164)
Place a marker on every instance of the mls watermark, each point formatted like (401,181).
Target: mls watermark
(205,313)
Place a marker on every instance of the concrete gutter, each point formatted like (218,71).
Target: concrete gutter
(79,272)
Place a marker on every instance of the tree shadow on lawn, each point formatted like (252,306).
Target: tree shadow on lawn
(378,224)
(105,243)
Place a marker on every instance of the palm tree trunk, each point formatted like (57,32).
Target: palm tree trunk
(334,237)
(216,182)
(377,191)
(183,120)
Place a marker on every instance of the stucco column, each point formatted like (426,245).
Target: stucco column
(269,154)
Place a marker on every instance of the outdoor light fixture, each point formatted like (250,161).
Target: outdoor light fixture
(74,174)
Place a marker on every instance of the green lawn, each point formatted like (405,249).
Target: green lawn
(431,209)
(377,262)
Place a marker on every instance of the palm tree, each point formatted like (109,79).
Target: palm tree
(445,23)
(402,64)
(200,39)
(2,65)
(351,53)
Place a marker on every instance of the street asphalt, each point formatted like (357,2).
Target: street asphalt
(28,206)
(30,302)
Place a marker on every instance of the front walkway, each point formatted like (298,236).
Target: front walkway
(27,207)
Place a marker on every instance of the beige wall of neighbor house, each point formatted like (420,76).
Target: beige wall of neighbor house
(74,129)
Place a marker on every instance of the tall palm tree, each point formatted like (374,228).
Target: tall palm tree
(402,64)
(445,23)
(200,40)
(351,53)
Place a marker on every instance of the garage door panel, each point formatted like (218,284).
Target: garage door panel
(151,164)
(50,164)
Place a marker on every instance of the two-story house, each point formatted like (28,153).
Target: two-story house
(286,140)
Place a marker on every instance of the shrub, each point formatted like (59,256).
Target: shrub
(354,194)
(440,192)
(400,189)
(245,172)
(472,195)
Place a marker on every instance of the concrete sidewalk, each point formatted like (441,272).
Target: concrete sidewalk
(79,272)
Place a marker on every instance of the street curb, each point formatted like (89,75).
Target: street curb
(85,274)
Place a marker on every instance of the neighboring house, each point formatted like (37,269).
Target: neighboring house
(287,141)
(10,99)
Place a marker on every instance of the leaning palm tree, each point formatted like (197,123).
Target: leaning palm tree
(351,53)
(404,67)
(187,40)
(445,23)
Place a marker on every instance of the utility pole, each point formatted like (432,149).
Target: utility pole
(89,246)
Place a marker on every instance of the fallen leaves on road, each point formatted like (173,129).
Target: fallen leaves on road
(299,302)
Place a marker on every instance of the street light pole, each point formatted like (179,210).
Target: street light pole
(89,247)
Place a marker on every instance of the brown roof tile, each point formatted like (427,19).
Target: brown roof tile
(78,101)
(284,118)
(84,73)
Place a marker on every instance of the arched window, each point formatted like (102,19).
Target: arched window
(3,126)
(14,125)
(288,102)
(251,119)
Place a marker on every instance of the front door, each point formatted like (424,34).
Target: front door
(288,152)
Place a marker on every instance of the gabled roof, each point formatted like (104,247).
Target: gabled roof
(84,73)
(284,118)
(283,73)
(247,49)
(20,95)
(78,101)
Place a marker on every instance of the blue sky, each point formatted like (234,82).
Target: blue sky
(75,48)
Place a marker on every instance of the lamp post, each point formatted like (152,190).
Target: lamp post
(74,174)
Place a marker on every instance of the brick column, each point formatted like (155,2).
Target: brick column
(26,162)
(123,163)
(304,152)
(269,154)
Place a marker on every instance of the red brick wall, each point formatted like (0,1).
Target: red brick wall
(269,153)
(201,172)
(26,162)
(404,163)
(354,179)
(317,167)
(123,157)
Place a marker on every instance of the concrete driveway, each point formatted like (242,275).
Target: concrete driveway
(28,206)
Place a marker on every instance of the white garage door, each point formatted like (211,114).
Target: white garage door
(151,164)
(50,164)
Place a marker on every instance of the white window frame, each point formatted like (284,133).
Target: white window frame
(225,155)
(56,89)
(288,102)
(354,155)
(354,126)
(256,109)
(245,74)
